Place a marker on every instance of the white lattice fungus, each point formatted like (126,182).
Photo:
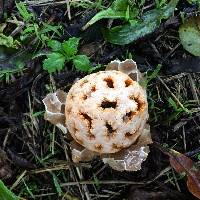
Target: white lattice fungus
(106,111)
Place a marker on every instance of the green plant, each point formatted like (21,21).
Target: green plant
(96,181)
(177,110)
(24,12)
(198,156)
(5,193)
(6,74)
(152,76)
(134,27)
(194,2)
(13,63)
(63,53)
(31,27)
(87,4)
(120,9)
(160,3)
(8,41)
(189,34)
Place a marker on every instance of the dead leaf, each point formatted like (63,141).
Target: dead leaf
(193,184)
(179,161)
(183,164)
(90,49)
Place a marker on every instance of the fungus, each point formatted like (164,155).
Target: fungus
(103,113)
(107,116)
(128,67)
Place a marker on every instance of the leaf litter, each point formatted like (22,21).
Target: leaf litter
(34,143)
(185,166)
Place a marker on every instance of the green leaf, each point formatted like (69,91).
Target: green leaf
(129,33)
(29,29)
(55,45)
(23,11)
(96,181)
(105,14)
(57,185)
(8,41)
(55,61)
(168,10)
(50,28)
(160,3)
(10,72)
(173,104)
(155,73)
(39,113)
(5,193)
(82,63)
(198,156)
(40,53)
(44,38)
(189,33)
(149,22)
(194,1)
(118,5)
(28,189)
(70,47)
(118,10)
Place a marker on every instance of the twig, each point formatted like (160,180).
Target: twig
(16,183)
(104,182)
(85,189)
(172,51)
(193,89)
(184,140)
(6,138)
(108,182)
(178,76)
(72,171)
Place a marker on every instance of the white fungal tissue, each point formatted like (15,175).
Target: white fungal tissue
(106,111)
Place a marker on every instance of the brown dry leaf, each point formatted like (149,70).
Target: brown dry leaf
(183,164)
(90,49)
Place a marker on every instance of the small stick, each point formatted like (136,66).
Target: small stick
(184,141)
(193,88)
(108,182)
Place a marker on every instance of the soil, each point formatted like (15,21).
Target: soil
(29,143)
